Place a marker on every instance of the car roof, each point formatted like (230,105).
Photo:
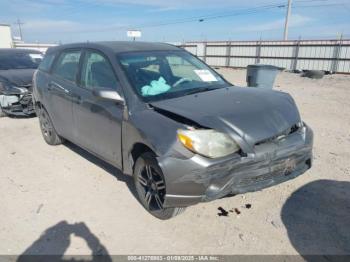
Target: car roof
(118,46)
(18,51)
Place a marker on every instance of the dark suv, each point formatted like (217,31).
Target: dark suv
(160,114)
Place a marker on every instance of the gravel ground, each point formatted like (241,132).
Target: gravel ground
(62,200)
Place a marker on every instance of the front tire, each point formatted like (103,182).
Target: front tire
(151,188)
(48,131)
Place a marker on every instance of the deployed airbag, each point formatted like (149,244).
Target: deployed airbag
(155,88)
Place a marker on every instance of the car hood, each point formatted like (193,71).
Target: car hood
(18,77)
(254,114)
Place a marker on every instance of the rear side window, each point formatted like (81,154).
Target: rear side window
(67,65)
(47,62)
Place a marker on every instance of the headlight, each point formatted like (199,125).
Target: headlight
(207,142)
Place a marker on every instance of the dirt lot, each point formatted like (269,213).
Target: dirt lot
(61,200)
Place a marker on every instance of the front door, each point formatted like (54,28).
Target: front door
(98,122)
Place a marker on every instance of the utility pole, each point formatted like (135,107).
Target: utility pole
(285,37)
(19,23)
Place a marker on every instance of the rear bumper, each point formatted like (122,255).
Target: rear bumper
(199,179)
(20,105)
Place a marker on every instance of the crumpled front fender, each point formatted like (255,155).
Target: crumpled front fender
(197,179)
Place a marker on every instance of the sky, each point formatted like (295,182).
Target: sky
(65,21)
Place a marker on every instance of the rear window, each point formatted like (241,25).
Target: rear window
(46,62)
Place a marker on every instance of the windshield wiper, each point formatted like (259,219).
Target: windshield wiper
(200,90)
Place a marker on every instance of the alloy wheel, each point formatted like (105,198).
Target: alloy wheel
(153,187)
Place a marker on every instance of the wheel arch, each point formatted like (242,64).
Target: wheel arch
(137,150)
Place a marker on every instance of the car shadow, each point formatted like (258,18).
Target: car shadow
(317,218)
(117,173)
(54,241)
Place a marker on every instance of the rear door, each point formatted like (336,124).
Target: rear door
(98,122)
(60,86)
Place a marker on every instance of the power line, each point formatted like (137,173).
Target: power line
(321,5)
(202,18)
(198,18)
(307,1)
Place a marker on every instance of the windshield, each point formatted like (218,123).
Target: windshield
(19,60)
(160,75)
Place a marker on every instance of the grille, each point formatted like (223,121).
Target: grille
(279,171)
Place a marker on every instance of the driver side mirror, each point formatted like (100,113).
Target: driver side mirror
(108,94)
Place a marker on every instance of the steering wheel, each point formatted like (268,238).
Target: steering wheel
(180,81)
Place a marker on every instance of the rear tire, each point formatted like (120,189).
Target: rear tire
(150,187)
(48,131)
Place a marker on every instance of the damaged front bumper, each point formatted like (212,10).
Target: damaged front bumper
(17,104)
(199,179)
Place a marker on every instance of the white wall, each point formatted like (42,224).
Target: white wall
(5,36)
(328,55)
(40,47)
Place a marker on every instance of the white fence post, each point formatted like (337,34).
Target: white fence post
(295,55)
(336,54)
(258,52)
(205,52)
(228,54)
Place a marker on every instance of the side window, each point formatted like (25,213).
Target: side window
(67,65)
(46,62)
(97,72)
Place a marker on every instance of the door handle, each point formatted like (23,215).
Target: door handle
(53,85)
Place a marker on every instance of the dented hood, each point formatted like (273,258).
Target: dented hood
(18,77)
(254,114)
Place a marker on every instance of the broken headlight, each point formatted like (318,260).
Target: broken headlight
(208,142)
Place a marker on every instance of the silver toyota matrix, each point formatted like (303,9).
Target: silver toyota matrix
(160,114)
